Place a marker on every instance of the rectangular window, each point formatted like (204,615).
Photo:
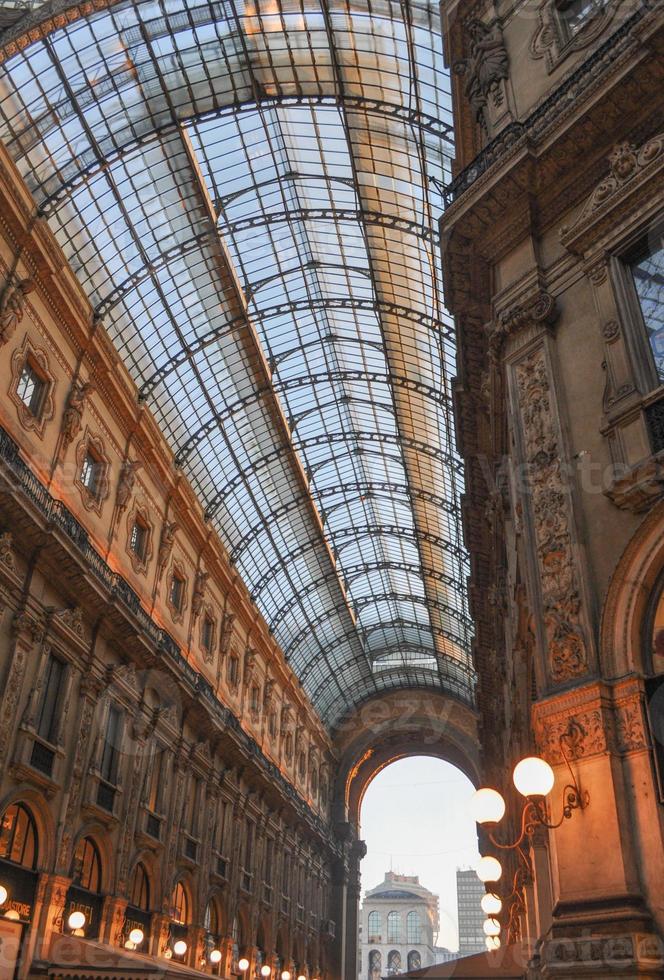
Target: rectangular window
(31,388)
(269,851)
(112,741)
(647,270)
(177,591)
(248,846)
(91,472)
(138,541)
(154,795)
(51,706)
(207,636)
(575,14)
(233,671)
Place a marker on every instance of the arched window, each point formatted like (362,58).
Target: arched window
(374,924)
(393,962)
(413,928)
(139,895)
(18,836)
(393,927)
(180,905)
(375,964)
(86,866)
(211,921)
(414,960)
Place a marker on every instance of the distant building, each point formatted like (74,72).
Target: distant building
(471,918)
(399,924)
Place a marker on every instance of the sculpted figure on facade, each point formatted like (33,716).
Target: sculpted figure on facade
(486,68)
(564,632)
(168,532)
(126,483)
(199,592)
(12,306)
(73,414)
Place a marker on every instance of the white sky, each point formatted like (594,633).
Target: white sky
(415,820)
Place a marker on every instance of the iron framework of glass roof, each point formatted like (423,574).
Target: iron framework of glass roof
(249,194)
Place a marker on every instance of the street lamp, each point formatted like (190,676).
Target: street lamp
(76,923)
(489,869)
(180,947)
(215,956)
(491,904)
(243,964)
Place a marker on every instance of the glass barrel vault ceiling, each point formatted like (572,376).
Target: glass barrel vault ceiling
(249,194)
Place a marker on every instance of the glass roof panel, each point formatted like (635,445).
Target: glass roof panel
(248,193)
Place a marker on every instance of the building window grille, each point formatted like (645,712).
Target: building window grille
(413,928)
(393,927)
(32,388)
(207,633)
(176,595)
(374,925)
(92,470)
(138,539)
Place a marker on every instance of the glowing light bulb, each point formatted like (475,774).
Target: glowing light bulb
(4,894)
(487,806)
(243,964)
(215,956)
(180,947)
(492,942)
(302,977)
(12,914)
(533,777)
(491,927)
(489,869)
(265,971)
(136,936)
(76,921)
(491,904)
(285,975)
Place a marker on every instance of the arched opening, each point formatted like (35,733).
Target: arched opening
(138,914)
(19,853)
(212,938)
(415,822)
(180,920)
(85,892)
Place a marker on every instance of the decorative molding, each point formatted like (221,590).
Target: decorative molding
(552,40)
(629,167)
(72,618)
(208,611)
(39,358)
(92,501)
(539,309)
(565,639)
(13,303)
(7,550)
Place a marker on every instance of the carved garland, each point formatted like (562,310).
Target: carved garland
(564,633)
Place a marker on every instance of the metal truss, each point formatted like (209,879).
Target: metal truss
(379,438)
(336,215)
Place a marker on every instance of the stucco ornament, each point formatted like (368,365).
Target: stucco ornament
(486,68)
(166,544)
(561,598)
(126,483)
(73,414)
(12,305)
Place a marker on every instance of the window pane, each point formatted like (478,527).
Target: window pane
(31,389)
(648,273)
(50,706)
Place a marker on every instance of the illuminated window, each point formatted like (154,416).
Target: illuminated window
(18,836)
(86,866)
(139,895)
(180,905)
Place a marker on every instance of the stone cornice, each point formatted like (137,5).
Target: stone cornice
(543,151)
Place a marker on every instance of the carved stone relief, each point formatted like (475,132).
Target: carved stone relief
(553,39)
(13,302)
(38,360)
(485,70)
(73,414)
(564,630)
(126,483)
